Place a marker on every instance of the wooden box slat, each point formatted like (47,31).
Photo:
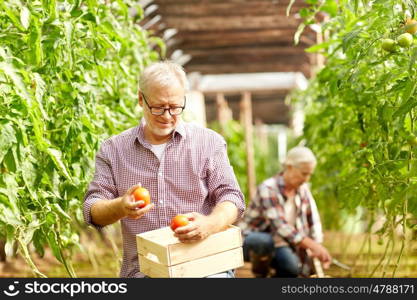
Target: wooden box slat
(201,267)
(161,254)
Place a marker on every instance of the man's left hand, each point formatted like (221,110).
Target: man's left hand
(199,228)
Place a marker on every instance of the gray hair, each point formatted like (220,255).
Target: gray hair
(164,74)
(299,155)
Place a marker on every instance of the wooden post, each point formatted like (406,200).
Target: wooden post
(246,119)
(224,113)
(261,132)
(321,37)
(195,110)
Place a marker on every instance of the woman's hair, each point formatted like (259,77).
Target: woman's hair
(299,155)
(163,74)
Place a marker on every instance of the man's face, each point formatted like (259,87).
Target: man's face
(160,127)
(300,174)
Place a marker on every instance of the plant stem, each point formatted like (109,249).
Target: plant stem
(26,256)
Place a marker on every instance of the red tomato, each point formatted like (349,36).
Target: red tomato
(179,221)
(411,26)
(142,194)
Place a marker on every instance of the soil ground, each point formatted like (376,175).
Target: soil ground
(100,258)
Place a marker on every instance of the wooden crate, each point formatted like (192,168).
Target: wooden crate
(162,255)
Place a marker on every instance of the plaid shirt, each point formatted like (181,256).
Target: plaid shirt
(193,175)
(266,214)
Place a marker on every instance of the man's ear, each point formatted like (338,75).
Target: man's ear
(140,98)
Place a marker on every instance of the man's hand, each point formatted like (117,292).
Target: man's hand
(199,228)
(105,212)
(131,208)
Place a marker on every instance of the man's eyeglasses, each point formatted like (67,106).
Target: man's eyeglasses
(159,111)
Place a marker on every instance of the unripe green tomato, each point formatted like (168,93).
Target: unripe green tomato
(388,45)
(388,202)
(412,140)
(405,40)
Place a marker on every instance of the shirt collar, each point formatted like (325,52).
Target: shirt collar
(178,131)
(281,184)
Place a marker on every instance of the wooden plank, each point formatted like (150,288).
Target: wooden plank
(271,109)
(255,51)
(233,22)
(224,113)
(201,267)
(209,265)
(152,268)
(249,55)
(242,37)
(209,2)
(252,58)
(226,8)
(152,251)
(248,68)
(246,120)
(215,243)
(163,236)
(266,66)
(154,244)
(163,246)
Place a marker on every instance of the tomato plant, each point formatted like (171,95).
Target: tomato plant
(142,194)
(266,156)
(68,73)
(364,93)
(179,221)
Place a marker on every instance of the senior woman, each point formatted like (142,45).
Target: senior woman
(282,226)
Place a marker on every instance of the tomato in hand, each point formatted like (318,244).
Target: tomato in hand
(142,194)
(179,221)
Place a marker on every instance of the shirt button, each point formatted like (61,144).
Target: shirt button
(160,174)
(161,201)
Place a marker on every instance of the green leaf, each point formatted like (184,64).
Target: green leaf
(7,138)
(7,216)
(405,108)
(11,72)
(56,157)
(30,230)
(317,47)
(11,191)
(35,42)
(39,241)
(10,241)
(29,176)
(60,211)
(39,94)
(52,241)
(349,38)
(25,17)
(408,102)
(11,15)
